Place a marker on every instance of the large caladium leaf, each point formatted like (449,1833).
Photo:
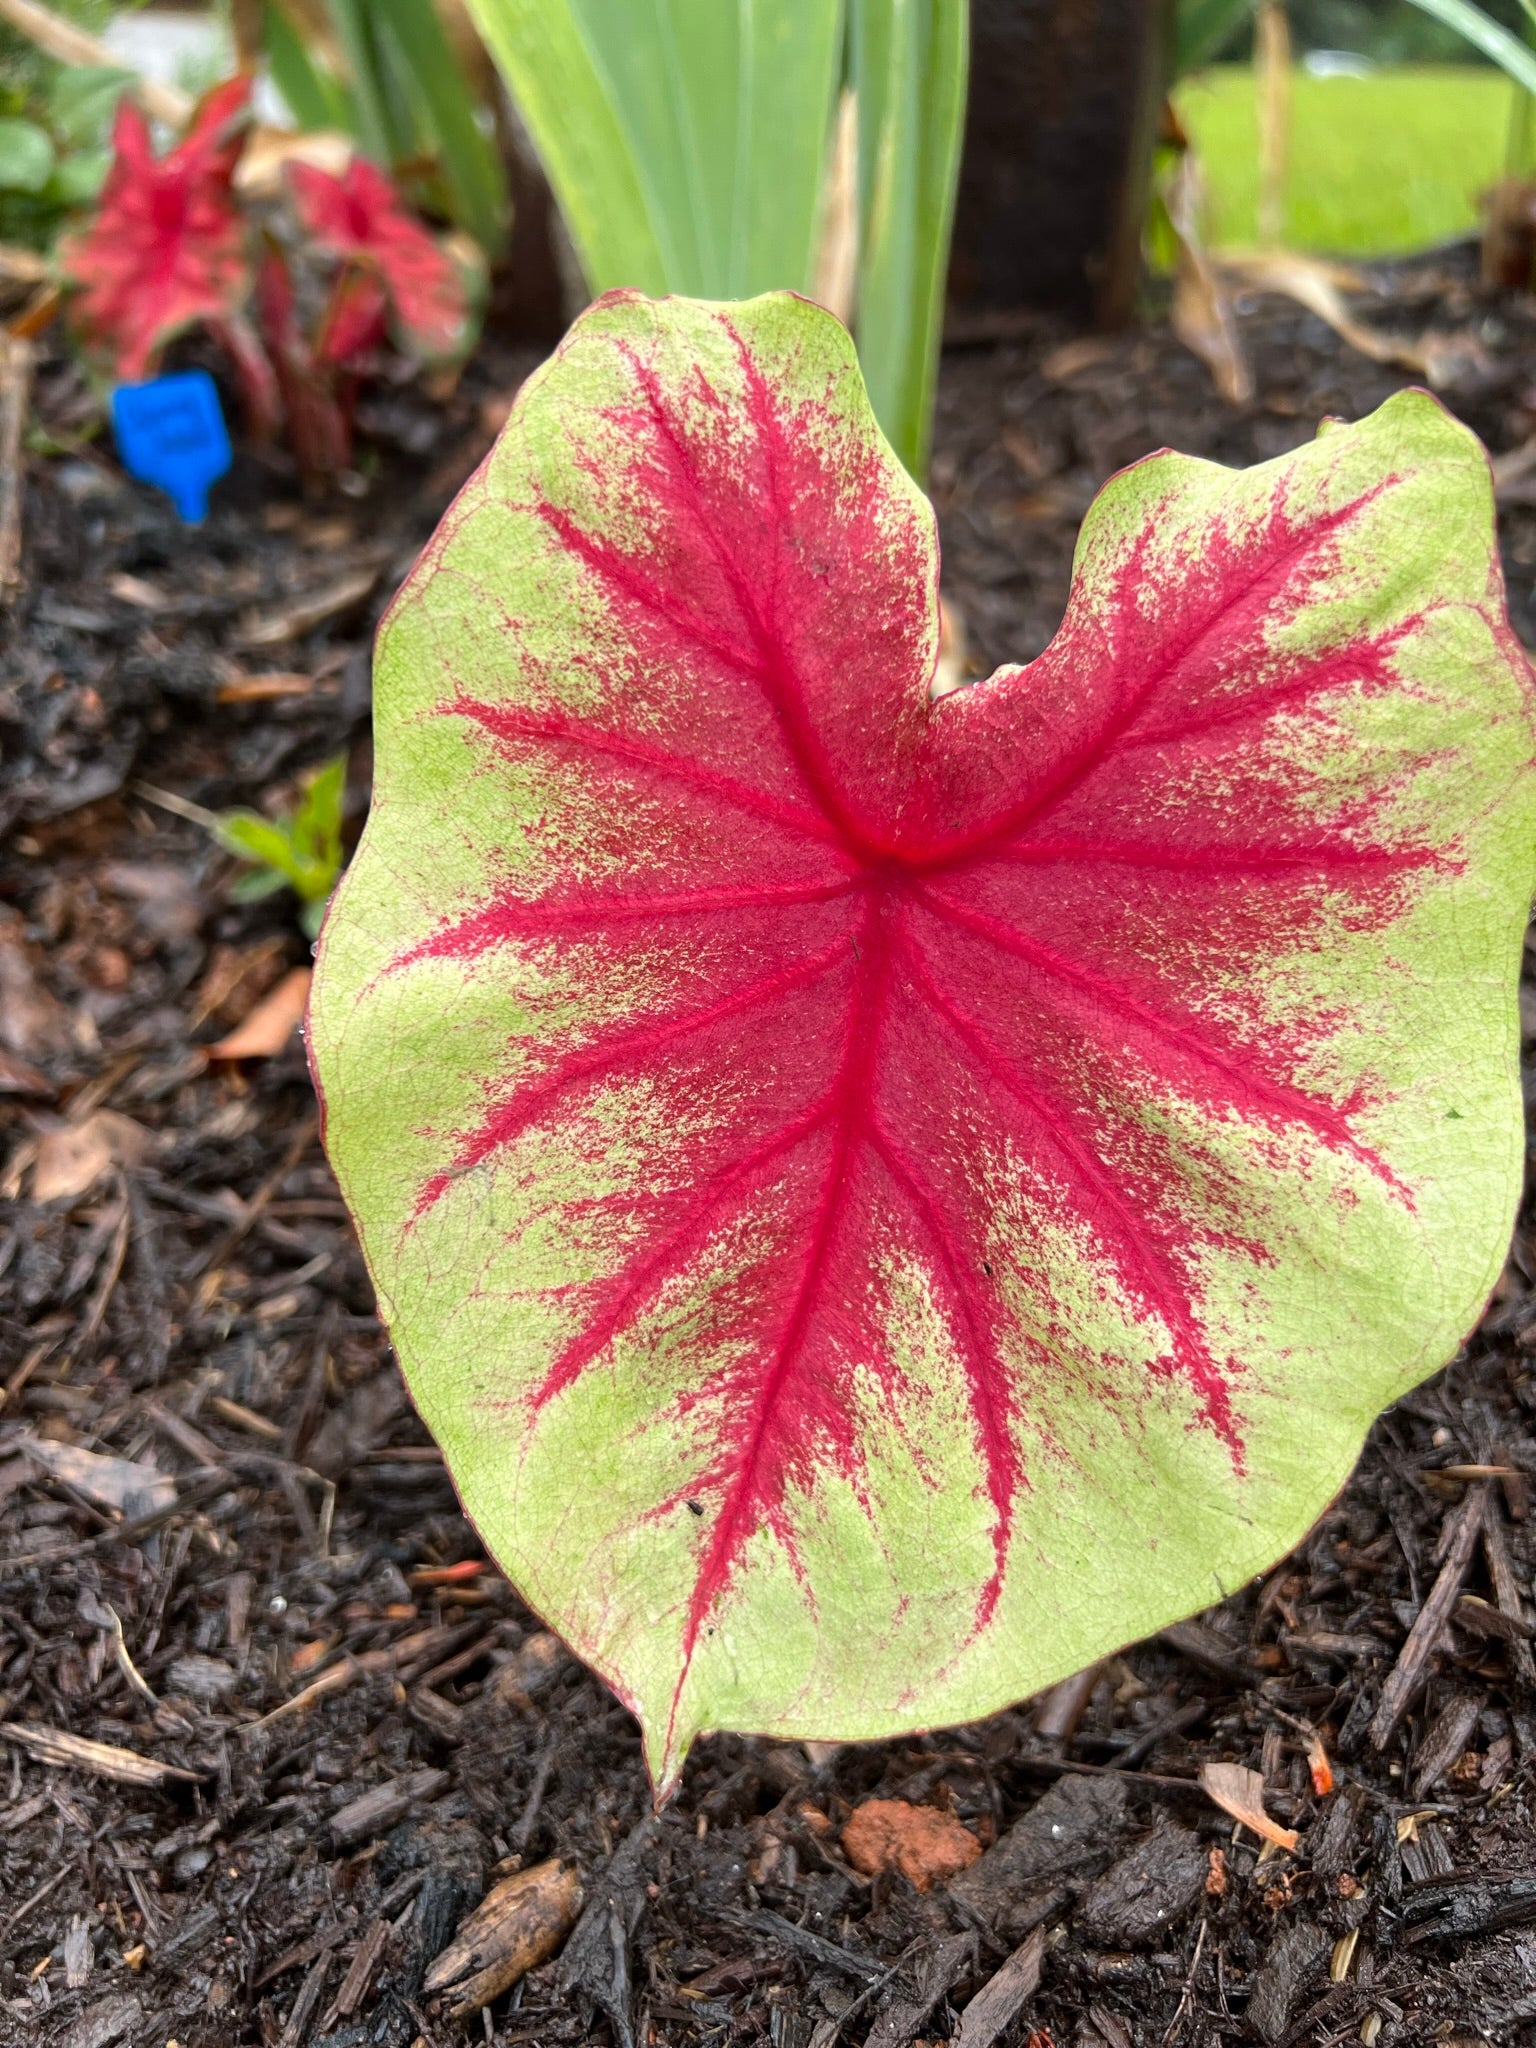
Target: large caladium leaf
(883,1200)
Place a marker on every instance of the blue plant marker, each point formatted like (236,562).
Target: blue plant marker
(171,433)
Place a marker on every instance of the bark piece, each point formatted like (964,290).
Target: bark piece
(301,2012)
(378,1809)
(1293,1956)
(595,1966)
(1468,1909)
(1003,1996)
(902,2019)
(1506,1589)
(1054,1839)
(1147,1892)
(518,1924)
(1334,1845)
(99,1759)
(1445,1739)
(104,2023)
(79,1956)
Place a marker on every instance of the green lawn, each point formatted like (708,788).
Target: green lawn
(1378,165)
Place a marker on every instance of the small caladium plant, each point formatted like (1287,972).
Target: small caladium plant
(167,248)
(360,220)
(175,245)
(881,1199)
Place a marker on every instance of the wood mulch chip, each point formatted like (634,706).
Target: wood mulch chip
(284,1762)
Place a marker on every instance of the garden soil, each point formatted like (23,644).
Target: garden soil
(271,1730)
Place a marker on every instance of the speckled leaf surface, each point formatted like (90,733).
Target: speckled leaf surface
(884,1200)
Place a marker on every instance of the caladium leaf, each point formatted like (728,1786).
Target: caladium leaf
(361,218)
(884,1200)
(167,246)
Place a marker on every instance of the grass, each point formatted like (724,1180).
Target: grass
(1379,165)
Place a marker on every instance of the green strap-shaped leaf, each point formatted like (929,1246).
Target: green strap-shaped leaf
(412,34)
(312,95)
(909,68)
(685,139)
(882,1201)
(1487,35)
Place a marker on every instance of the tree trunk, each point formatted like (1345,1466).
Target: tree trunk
(1064,105)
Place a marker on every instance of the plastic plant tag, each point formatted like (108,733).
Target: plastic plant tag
(171,432)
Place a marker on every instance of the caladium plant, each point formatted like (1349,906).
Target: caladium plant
(883,1200)
(174,245)
(359,219)
(167,248)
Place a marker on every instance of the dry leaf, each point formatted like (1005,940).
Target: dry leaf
(1240,1792)
(928,1847)
(1201,314)
(73,1157)
(129,1486)
(271,1024)
(1320,287)
(837,256)
(143,595)
(1318,1765)
(168,903)
(954,668)
(236,978)
(269,151)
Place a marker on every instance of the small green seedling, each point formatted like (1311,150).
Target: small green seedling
(300,850)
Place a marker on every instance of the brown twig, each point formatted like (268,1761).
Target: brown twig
(213,1259)
(16,356)
(1462,1531)
(106,1285)
(71,45)
(1506,1591)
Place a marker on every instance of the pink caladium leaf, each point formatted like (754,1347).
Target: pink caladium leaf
(360,218)
(883,1200)
(355,321)
(167,247)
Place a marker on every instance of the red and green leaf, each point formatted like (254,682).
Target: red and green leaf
(360,218)
(167,247)
(883,1200)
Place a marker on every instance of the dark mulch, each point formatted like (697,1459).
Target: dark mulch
(199,1308)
